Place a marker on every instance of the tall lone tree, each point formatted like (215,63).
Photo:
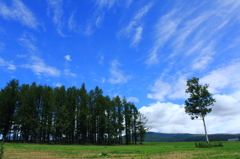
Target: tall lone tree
(198,105)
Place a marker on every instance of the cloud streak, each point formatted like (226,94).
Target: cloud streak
(165,29)
(117,75)
(134,28)
(7,64)
(18,12)
(189,32)
(56,6)
(105,3)
(38,66)
(36,63)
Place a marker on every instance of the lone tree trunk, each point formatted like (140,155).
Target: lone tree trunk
(205,129)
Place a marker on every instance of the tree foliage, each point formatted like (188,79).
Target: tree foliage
(40,113)
(198,105)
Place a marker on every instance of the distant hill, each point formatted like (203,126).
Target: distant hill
(181,137)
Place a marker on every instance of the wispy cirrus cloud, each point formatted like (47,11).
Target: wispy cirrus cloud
(110,3)
(224,79)
(35,62)
(7,65)
(187,32)
(133,99)
(56,7)
(204,57)
(39,67)
(165,29)
(101,59)
(99,20)
(72,24)
(98,16)
(68,73)
(137,37)
(27,40)
(19,12)
(128,3)
(105,3)
(117,75)
(134,28)
(57,84)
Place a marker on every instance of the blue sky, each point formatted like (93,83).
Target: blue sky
(143,50)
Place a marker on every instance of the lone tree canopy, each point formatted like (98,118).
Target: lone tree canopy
(198,105)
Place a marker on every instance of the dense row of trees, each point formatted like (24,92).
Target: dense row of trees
(68,115)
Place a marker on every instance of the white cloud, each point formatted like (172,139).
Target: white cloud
(2,45)
(143,11)
(99,20)
(57,84)
(56,6)
(174,90)
(189,32)
(160,89)
(128,3)
(223,78)
(28,40)
(137,37)
(165,29)
(18,11)
(101,59)
(68,58)
(103,80)
(195,48)
(68,73)
(89,28)
(133,99)
(223,82)
(226,105)
(171,118)
(72,24)
(204,58)
(117,75)
(38,66)
(135,26)
(188,29)
(105,3)
(7,64)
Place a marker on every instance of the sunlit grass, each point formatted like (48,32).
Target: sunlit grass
(147,150)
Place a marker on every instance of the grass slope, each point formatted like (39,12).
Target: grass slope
(147,150)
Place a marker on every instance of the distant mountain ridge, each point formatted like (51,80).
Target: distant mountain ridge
(181,137)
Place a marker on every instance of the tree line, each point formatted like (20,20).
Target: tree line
(40,113)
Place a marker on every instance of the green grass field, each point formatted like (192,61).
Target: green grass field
(147,150)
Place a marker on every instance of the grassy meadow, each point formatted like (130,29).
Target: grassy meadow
(147,150)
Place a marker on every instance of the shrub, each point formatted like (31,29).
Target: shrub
(103,154)
(208,145)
